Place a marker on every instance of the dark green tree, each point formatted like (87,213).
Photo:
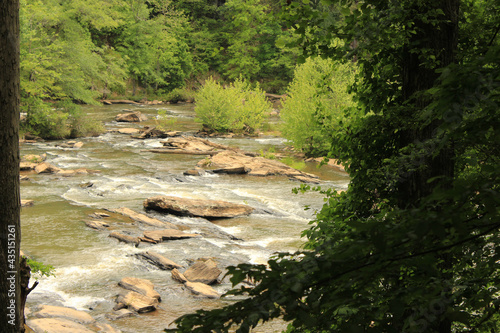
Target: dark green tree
(413,245)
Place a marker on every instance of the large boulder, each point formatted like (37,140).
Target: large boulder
(131,117)
(236,162)
(210,209)
(204,271)
(141,286)
(137,302)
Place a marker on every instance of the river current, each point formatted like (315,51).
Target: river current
(88,264)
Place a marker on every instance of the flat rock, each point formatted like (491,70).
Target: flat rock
(97,225)
(27,166)
(194,172)
(106,328)
(125,238)
(141,286)
(27,203)
(190,145)
(70,144)
(34,158)
(46,168)
(158,260)
(56,325)
(138,302)
(80,171)
(122,313)
(50,311)
(231,162)
(131,117)
(159,236)
(202,289)
(204,271)
(128,130)
(197,207)
(144,218)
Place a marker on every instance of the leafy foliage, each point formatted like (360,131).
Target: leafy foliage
(414,244)
(236,107)
(61,120)
(39,269)
(315,102)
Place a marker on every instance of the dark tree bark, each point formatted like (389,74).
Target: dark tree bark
(11,312)
(441,41)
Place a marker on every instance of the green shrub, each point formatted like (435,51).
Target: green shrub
(44,121)
(237,107)
(315,102)
(180,95)
(62,120)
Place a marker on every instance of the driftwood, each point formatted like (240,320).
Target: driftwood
(118,101)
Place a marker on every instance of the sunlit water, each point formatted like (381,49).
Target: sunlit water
(89,264)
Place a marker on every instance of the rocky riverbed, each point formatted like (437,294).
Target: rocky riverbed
(110,210)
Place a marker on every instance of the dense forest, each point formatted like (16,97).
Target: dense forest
(83,50)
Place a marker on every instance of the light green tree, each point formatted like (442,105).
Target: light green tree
(315,104)
(236,107)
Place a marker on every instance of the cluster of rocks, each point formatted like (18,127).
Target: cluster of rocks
(224,159)
(233,162)
(138,295)
(37,164)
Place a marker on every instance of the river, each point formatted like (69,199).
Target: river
(88,264)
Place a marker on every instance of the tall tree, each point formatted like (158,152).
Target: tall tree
(11,315)
(414,244)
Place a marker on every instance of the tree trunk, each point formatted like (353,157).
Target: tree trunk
(441,42)
(11,314)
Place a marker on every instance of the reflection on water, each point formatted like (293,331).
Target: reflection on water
(89,264)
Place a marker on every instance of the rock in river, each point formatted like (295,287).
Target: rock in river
(131,117)
(232,162)
(210,209)
(158,236)
(158,260)
(204,271)
(141,286)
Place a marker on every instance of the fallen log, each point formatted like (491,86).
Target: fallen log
(118,101)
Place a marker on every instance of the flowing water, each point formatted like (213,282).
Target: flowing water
(88,264)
